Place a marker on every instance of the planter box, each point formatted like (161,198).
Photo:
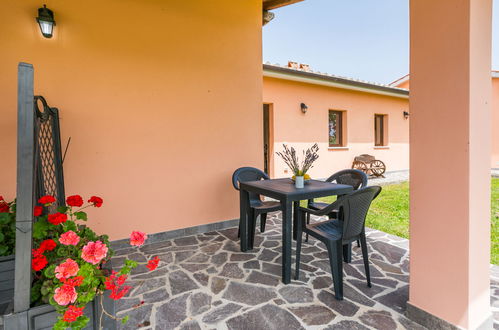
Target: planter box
(7,265)
(43,317)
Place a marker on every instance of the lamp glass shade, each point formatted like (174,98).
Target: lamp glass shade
(46,21)
(46,28)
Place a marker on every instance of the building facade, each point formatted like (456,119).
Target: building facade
(345,117)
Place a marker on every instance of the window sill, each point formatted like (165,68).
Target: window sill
(337,148)
(381,147)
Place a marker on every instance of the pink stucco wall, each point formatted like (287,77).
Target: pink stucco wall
(495,116)
(300,130)
(450,159)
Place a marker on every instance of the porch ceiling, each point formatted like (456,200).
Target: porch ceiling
(273,4)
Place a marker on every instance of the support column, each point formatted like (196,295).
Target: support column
(450,162)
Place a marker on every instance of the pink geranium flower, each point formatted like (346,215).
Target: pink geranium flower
(69,238)
(137,238)
(65,295)
(94,252)
(68,268)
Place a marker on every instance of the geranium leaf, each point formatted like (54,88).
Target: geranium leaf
(40,229)
(4,218)
(125,319)
(62,209)
(81,215)
(49,271)
(70,225)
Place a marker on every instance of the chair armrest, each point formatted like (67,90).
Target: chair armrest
(328,209)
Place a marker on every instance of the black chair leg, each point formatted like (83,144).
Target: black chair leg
(308,222)
(299,233)
(365,256)
(347,253)
(239,230)
(358,243)
(252,226)
(263,222)
(335,259)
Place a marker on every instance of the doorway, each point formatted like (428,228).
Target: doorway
(267,138)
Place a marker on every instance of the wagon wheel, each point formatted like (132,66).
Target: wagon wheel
(361,166)
(378,168)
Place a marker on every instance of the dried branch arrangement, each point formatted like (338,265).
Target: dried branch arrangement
(291,159)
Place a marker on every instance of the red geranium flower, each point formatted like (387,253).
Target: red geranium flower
(153,263)
(68,268)
(4,207)
(46,200)
(94,252)
(72,313)
(97,201)
(137,238)
(65,295)
(69,238)
(75,281)
(74,200)
(116,285)
(57,218)
(39,262)
(38,211)
(47,245)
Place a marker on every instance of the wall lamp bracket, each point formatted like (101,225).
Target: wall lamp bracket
(303,107)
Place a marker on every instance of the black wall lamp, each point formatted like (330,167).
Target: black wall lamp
(406,115)
(46,21)
(303,107)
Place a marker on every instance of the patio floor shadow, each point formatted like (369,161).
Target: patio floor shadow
(205,282)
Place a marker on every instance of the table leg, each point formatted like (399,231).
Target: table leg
(286,241)
(296,206)
(243,220)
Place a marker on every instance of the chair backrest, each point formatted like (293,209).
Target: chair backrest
(354,208)
(352,177)
(243,174)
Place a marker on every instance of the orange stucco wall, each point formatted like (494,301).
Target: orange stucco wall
(495,122)
(300,130)
(162,100)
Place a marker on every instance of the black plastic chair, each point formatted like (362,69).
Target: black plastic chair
(338,233)
(257,206)
(352,177)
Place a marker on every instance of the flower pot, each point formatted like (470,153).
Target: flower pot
(299,181)
(6,282)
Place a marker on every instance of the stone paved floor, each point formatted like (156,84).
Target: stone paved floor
(205,282)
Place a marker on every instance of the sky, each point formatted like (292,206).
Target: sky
(361,39)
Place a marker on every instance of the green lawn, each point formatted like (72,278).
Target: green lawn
(390,213)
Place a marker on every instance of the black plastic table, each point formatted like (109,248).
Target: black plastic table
(285,191)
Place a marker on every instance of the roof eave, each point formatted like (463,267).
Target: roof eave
(273,4)
(330,81)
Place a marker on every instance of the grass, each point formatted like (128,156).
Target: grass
(390,213)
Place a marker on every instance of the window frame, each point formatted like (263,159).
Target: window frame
(382,129)
(340,127)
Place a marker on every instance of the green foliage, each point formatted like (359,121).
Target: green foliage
(81,215)
(8,230)
(390,213)
(129,265)
(494,233)
(49,272)
(125,319)
(40,228)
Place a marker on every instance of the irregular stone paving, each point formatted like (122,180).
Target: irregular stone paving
(205,282)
